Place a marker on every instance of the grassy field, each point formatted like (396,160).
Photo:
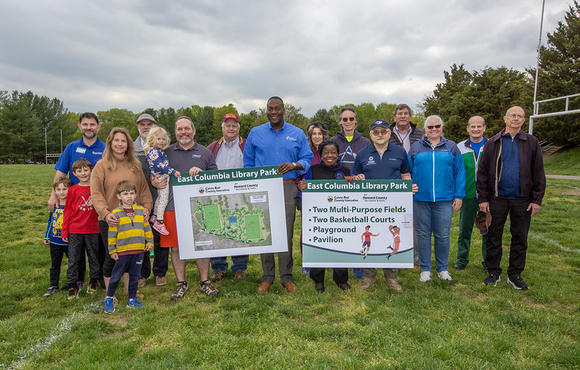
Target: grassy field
(565,162)
(439,325)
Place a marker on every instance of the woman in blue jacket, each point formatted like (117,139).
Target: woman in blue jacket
(437,169)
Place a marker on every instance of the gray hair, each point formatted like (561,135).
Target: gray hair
(435,117)
(401,107)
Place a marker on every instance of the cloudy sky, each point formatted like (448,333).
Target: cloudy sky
(97,55)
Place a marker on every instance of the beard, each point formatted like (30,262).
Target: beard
(185,140)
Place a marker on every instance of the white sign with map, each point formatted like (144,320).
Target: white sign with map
(230,213)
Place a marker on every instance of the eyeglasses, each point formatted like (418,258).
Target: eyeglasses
(518,116)
(346,119)
(379,132)
(433,127)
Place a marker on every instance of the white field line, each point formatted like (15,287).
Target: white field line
(552,243)
(43,344)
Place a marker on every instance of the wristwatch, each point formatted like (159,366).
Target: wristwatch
(294,164)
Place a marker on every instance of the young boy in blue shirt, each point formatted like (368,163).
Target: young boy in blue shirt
(127,242)
(53,235)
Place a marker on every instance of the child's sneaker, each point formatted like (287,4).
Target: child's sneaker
(109,306)
(134,303)
(160,228)
(358,272)
(80,285)
(50,291)
(72,293)
(92,288)
(152,219)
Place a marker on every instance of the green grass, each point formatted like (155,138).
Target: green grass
(565,162)
(458,325)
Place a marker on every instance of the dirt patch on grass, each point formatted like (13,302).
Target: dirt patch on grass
(571,192)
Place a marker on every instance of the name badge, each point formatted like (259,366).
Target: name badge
(81,150)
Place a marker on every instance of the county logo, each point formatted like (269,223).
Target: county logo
(201,190)
(330,199)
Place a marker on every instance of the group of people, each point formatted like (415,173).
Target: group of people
(117,189)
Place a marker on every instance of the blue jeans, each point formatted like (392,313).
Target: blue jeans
(240,263)
(433,218)
(130,263)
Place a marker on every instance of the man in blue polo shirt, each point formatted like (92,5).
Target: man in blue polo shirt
(278,143)
(90,148)
(379,160)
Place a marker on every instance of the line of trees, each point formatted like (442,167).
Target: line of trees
(24,118)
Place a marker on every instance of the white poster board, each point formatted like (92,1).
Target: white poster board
(336,215)
(230,212)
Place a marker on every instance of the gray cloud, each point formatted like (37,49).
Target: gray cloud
(134,55)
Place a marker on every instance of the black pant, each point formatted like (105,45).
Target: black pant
(519,227)
(108,263)
(339,275)
(160,259)
(56,253)
(75,244)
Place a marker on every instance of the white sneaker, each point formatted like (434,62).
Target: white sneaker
(425,276)
(444,275)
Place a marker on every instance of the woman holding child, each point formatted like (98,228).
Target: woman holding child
(118,163)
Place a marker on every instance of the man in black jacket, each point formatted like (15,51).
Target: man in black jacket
(510,180)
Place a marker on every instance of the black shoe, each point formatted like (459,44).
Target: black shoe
(517,282)
(319,287)
(458,267)
(344,286)
(492,279)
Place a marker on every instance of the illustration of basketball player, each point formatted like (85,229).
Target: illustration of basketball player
(395,230)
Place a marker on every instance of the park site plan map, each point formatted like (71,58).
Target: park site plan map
(231,220)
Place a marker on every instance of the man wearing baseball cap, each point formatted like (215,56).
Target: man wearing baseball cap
(145,122)
(379,160)
(228,152)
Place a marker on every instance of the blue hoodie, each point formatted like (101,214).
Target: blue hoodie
(438,171)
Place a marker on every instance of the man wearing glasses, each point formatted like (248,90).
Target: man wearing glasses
(349,140)
(381,161)
(510,180)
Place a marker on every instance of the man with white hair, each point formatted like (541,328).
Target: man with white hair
(229,154)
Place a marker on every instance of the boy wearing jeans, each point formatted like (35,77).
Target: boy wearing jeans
(81,227)
(127,242)
(53,235)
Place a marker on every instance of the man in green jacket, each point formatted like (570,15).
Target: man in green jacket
(470,150)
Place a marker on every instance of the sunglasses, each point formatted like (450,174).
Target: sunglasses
(379,132)
(433,127)
(346,119)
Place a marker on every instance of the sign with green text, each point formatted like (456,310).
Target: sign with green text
(230,212)
(360,224)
